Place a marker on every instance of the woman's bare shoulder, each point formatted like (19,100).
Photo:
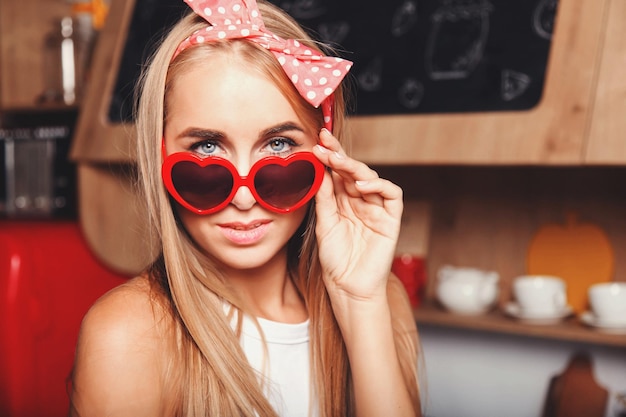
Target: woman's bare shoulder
(134,296)
(130,316)
(128,310)
(121,346)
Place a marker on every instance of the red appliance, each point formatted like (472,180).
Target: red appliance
(411,270)
(48,280)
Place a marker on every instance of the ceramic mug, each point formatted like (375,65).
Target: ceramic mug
(608,301)
(540,295)
(411,270)
(467,291)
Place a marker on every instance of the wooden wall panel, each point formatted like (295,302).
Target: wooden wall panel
(607,135)
(23,28)
(485,217)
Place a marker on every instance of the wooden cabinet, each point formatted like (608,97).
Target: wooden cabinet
(555,132)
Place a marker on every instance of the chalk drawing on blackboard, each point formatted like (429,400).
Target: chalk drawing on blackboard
(333,33)
(457,39)
(543,18)
(371,77)
(304,9)
(513,84)
(411,93)
(404,18)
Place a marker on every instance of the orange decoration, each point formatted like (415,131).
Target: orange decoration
(579,253)
(97,8)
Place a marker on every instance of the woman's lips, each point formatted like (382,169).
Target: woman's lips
(245,233)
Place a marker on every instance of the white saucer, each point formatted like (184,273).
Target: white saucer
(513,309)
(592,320)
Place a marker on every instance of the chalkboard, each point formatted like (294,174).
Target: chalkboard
(150,21)
(411,56)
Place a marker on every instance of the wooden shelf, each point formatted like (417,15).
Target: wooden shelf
(570,329)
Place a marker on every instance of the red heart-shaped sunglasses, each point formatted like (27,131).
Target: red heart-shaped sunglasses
(207,185)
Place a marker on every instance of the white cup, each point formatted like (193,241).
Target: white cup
(465,290)
(540,295)
(608,302)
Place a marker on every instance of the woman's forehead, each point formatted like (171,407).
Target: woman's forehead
(227,96)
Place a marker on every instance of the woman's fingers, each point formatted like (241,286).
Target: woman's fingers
(347,171)
(326,203)
(383,190)
(337,159)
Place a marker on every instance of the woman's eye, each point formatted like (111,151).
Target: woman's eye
(281,145)
(205,148)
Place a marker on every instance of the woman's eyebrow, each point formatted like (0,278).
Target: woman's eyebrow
(283,127)
(199,133)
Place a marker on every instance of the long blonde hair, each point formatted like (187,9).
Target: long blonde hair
(209,373)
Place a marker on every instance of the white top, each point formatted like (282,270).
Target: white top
(286,367)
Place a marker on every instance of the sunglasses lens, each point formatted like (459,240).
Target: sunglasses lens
(202,187)
(284,186)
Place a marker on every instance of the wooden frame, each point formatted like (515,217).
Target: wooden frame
(96,138)
(554,132)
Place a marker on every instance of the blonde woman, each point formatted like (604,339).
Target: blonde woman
(272,294)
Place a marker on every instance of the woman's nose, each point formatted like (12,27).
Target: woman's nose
(243,199)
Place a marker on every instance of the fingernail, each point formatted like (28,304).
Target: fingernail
(339,156)
(321,149)
(361,182)
(325,130)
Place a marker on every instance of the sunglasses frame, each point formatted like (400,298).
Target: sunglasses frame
(239,181)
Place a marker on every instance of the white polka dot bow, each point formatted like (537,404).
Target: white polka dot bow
(315,76)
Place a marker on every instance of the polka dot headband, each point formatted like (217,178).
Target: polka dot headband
(315,76)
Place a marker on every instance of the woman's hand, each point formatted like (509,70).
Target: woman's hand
(358,222)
